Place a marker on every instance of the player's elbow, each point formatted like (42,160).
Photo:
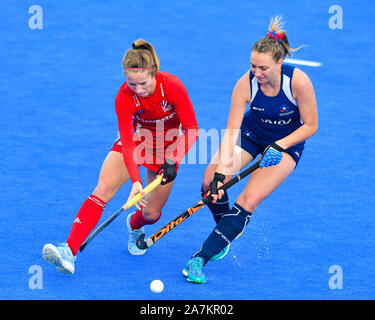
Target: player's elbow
(314,128)
(311,126)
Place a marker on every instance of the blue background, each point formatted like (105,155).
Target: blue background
(57,116)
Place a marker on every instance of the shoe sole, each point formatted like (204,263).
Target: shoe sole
(194,281)
(52,256)
(185,273)
(137,253)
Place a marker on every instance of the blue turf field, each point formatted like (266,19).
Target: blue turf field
(57,90)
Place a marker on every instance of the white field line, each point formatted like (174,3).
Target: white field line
(304,62)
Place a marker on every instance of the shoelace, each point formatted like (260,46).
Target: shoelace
(135,233)
(66,253)
(196,265)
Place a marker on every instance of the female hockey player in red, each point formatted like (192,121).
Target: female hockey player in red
(157,127)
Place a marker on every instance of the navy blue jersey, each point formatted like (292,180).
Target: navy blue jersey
(272,118)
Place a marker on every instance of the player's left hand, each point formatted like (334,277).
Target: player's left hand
(215,184)
(271,156)
(168,170)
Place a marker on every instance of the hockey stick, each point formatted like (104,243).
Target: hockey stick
(126,206)
(144,244)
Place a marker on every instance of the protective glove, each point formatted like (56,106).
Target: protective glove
(168,170)
(218,177)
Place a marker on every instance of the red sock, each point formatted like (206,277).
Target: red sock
(87,218)
(137,221)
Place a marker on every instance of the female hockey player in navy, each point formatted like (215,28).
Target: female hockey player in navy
(282,115)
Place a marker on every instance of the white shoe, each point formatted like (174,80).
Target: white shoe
(133,234)
(60,256)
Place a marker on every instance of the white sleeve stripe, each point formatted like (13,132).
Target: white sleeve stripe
(97,202)
(254,88)
(287,90)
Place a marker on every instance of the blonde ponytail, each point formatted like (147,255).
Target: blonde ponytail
(276,41)
(141,56)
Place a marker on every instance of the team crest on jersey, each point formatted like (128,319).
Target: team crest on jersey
(284,108)
(165,105)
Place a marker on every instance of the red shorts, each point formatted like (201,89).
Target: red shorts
(153,165)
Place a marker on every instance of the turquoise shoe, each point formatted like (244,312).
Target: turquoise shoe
(193,270)
(221,254)
(133,234)
(60,256)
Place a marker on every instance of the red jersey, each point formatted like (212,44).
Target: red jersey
(156,127)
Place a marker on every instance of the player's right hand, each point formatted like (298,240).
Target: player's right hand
(137,188)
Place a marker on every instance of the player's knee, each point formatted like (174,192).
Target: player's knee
(104,191)
(151,215)
(249,203)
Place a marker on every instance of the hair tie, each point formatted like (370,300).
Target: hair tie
(276,36)
(141,47)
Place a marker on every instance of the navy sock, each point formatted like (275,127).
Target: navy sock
(219,208)
(228,228)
